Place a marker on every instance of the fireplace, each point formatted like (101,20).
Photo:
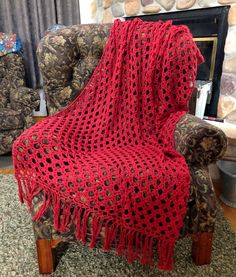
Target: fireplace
(209,28)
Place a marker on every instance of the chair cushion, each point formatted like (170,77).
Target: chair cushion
(10,119)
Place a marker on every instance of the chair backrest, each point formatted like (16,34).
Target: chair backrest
(67,59)
(12,75)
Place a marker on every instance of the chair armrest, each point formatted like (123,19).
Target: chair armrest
(23,98)
(198,141)
(201,208)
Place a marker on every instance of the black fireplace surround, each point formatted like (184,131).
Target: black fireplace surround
(203,23)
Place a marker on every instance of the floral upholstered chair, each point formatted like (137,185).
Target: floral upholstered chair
(16,101)
(67,59)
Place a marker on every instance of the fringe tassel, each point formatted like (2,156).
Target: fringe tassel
(20,191)
(84,226)
(165,253)
(137,246)
(150,251)
(68,220)
(24,192)
(110,234)
(78,223)
(65,218)
(56,212)
(44,206)
(130,245)
(146,250)
(96,229)
(129,241)
(121,245)
(144,257)
(34,193)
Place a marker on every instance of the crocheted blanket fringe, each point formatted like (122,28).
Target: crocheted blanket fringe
(129,243)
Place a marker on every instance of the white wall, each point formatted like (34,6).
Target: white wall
(85,13)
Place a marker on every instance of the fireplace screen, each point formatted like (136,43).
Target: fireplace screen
(208,47)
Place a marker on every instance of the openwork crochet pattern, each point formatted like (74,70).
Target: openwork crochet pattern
(109,157)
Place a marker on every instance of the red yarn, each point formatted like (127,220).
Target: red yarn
(110,155)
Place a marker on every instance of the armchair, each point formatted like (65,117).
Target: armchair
(16,101)
(67,59)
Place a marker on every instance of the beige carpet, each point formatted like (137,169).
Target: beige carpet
(18,256)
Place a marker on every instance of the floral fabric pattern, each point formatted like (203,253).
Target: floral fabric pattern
(199,142)
(16,101)
(67,59)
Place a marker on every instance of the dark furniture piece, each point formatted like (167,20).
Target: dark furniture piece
(16,101)
(74,53)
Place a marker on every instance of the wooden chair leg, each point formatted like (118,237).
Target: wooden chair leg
(45,255)
(202,248)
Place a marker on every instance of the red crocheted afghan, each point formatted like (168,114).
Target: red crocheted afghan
(110,156)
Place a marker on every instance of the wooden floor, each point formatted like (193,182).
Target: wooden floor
(6,170)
